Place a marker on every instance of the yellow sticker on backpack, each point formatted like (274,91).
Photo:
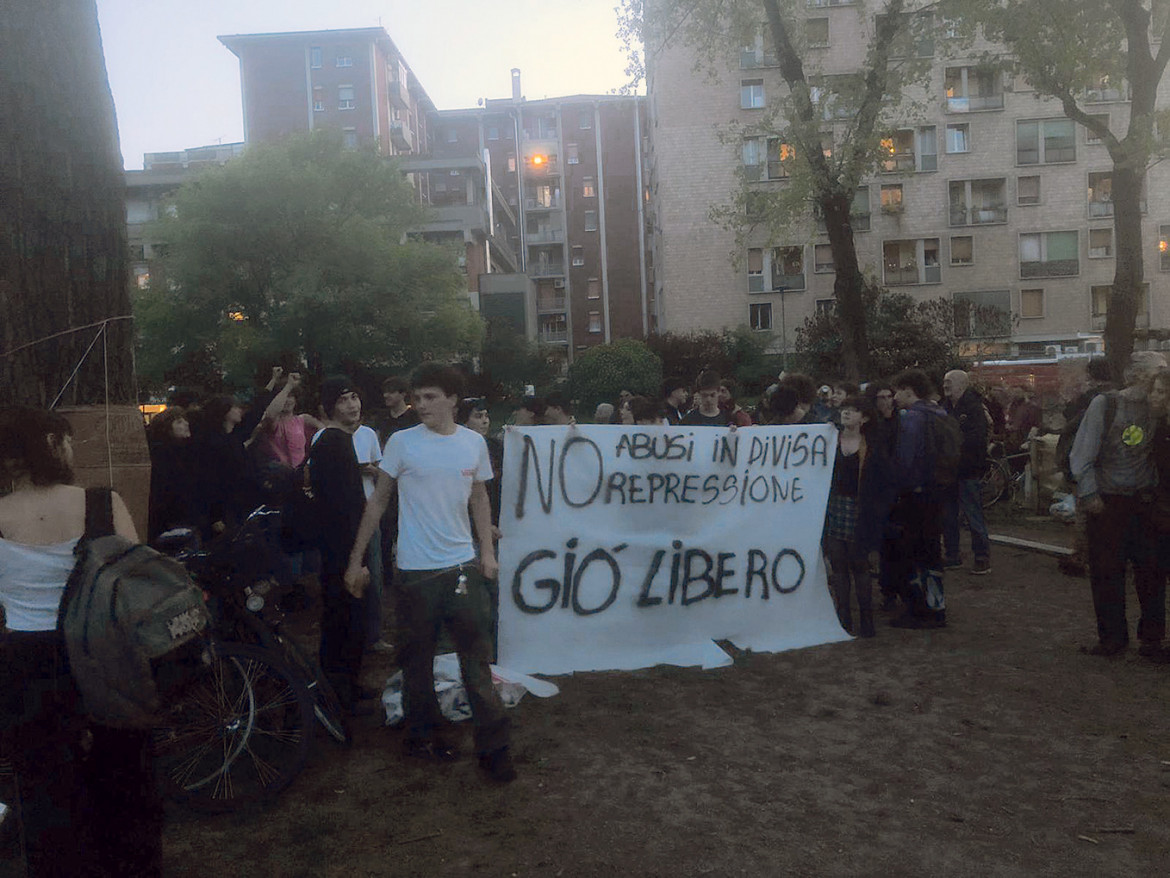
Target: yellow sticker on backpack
(1133,435)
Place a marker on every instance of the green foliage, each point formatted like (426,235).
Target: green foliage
(600,373)
(298,248)
(740,354)
(509,361)
(903,332)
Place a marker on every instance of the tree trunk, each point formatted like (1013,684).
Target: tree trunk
(848,287)
(63,253)
(1129,271)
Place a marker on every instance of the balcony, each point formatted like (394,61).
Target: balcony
(553,336)
(555,302)
(962,215)
(1098,321)
(898,163)
(545,236)
(974,104)
(546,268)
(1051,268)
(401,135)
(553,203)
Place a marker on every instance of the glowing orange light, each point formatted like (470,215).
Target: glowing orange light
(1162,246)
(538,160)
(238,316)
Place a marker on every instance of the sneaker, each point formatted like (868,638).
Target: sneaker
(383,645)
(430,751)
(981,567)
(952,563)
(497,765)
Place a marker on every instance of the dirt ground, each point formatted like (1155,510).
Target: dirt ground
(990,748)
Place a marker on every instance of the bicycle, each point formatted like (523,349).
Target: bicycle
(241,733)
(1004,476)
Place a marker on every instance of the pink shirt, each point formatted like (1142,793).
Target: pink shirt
(286,442)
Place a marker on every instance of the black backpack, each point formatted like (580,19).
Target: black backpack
(133,622)
(944,447)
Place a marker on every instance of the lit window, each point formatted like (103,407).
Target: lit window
(588,188)
(1164,248)
(345,98)
(891,195)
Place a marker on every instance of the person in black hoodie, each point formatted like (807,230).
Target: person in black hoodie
(336,480)
(965,405)
(173,486)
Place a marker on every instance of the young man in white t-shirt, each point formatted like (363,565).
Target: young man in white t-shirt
(440,470)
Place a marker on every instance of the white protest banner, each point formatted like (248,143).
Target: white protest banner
(627,547)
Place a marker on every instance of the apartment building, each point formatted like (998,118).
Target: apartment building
(986,194)
(550,190)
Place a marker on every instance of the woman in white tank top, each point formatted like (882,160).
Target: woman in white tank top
(87,794)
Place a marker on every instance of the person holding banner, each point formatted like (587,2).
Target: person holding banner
(440,469)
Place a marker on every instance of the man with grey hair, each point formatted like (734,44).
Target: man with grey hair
(1115,476)
(965,405)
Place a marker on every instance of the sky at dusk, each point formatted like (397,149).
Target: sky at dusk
(176,86)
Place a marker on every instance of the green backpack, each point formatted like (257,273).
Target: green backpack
(134,623)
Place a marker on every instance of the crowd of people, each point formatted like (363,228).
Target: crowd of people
(408,504)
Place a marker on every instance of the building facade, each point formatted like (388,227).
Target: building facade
(553,189)
(985,195)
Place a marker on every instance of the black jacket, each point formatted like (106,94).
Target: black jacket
(972,418)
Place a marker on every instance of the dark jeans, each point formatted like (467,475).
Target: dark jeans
(343,635)
(88,801)
(917,570)
(428,600)
(1124,533)
(850,571)
(967,495)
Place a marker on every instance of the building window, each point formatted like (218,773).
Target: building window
(751,94)
(1100,195)
(349,137)
(1103,118)
(910,150)
(572,156)
(585,120)
(1049,254)
(816,32)
(318,99)
(971,89)
(1101,243)
(591,220)
(345,97)
(978,202)
(914,261)
(344,61)
(315,57)
(983,314)
(1031,304)
(775,269)
(594,288)
(1099,305)
(578,256)
(493,132)
(891,198)
(760,316)
(1027,190)
(452,135)
(826,306)
(767,158)
(962,250)
(823,259)
(595,321)
(1045,142)
(1164,248)
(1107,89)
(142,277)
(958,138)
(588,188)
(511,163)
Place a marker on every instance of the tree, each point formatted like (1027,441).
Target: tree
(903,332)
(826,169)
(1071,50)
(509,362)
(600,373)
(63,256)
(302,247)
(737,353)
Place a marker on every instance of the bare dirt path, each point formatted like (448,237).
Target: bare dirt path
(990,748)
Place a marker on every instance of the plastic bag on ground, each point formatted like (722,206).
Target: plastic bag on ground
(1064,507)
(453,700)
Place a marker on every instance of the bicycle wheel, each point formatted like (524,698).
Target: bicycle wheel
(994,483)
(326,705)
(239,734)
